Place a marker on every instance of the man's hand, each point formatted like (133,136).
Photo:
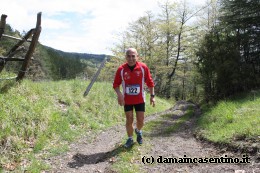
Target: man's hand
(120,99)
(152,101)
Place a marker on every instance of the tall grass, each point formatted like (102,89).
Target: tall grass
(46,116)
(234,119)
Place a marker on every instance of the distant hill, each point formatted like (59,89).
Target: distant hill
(49,63)
(87,56)
(68,65)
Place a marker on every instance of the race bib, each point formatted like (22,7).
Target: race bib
(132,89)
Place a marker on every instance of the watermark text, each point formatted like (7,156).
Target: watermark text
(185,159)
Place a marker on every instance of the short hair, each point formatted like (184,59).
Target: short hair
(131,50)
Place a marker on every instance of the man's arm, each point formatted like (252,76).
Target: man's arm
(116,86)
(120,96)
(150,84)
(152,95)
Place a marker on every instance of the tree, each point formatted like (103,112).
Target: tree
(229,56)
(182,14)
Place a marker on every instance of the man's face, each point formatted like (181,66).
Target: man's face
(131,58)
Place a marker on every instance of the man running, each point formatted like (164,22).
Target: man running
(132,75)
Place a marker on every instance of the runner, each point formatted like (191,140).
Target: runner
(133,75)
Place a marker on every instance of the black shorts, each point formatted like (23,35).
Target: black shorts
(138,107)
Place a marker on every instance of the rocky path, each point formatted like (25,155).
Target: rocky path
(96,153)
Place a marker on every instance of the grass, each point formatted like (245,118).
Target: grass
(234,119)
(128,160)
(40,119)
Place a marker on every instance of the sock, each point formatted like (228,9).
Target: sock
(138,131)
(130,137)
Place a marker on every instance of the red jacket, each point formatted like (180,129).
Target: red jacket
(133,82)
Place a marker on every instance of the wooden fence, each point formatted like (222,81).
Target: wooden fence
(95,77)
(34,33)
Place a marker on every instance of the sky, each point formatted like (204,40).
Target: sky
(83,26)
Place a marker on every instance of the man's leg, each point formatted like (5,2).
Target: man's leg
(129,128)
(140,109)
(139,119)
(129,123)
(139,126)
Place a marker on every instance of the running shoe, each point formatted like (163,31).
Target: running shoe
(139,137)
(129,143)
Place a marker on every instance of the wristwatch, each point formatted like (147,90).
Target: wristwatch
(152,95)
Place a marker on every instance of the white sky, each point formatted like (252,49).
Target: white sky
(84,26)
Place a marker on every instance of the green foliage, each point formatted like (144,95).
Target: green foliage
(2,51)
(36,166)
(60,65)
(232,119)
(229,55)
(43,117)
(109,70)
(5,42)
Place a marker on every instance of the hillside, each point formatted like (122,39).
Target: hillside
(50,63)
(67,65)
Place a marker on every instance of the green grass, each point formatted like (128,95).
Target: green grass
(233,119)
(128,160)
(42,118)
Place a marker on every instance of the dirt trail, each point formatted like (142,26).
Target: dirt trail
(95,154)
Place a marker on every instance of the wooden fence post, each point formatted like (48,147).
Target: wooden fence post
(2,29)
(32,47)
(2,24)
(94,77)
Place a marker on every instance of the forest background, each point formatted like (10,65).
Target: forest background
(199,54)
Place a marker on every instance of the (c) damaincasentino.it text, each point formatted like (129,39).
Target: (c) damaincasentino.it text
(150,160)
